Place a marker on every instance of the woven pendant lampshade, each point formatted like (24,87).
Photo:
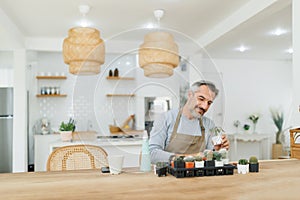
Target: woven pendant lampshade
(158,55)
(83,51)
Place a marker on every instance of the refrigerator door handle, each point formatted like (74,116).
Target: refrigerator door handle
(6,116)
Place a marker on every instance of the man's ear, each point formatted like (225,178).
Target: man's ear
(190,94)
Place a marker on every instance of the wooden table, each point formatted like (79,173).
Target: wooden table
(278,179)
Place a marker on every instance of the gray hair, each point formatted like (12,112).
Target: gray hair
(195,86)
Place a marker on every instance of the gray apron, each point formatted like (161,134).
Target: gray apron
(186,144)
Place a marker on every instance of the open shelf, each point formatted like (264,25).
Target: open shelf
(51,77)
(120,95)
(51,95)
(119,78)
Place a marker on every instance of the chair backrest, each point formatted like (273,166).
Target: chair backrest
(295,143)
(75,157)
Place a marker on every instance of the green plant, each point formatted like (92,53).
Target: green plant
(208,154)
(217,131)
(254,118)
(70,126)
(246,127)
(243,161)
(223,153)
(189,159)
(278,119)
(217,156)
(253,160)
(198,158)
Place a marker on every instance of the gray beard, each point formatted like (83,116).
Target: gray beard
(195,114)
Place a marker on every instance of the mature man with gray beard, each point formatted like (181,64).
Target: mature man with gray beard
(186,130)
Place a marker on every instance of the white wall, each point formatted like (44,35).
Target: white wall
(253,86)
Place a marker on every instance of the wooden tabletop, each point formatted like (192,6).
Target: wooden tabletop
(278,179)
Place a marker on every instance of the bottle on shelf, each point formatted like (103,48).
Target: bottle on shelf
(116,72)
(110,73)
(145,158)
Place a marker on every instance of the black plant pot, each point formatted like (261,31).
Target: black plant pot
(179,164)
(253,167)
(209,163)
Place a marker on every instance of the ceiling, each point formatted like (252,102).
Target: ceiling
(219,26)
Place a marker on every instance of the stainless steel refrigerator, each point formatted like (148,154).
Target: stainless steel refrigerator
(6,129)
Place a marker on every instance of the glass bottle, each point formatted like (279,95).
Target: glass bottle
(145,158)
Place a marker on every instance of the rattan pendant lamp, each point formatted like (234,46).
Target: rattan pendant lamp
(83,49)
(158,55)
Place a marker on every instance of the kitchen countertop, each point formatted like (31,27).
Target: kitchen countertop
(277,179)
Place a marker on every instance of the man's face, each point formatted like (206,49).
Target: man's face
(200,101)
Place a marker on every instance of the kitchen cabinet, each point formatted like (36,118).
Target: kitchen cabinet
(41,150)
(129,147)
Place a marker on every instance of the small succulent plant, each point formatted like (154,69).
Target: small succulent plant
(253,160)
(243,161)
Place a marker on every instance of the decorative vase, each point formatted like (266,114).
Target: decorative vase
(254,128)
(277,151)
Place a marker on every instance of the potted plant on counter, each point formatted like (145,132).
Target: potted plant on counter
(224,154)
(253,164)
(218,159)
(243,166)
(189,161)
(66,130)
(199,162)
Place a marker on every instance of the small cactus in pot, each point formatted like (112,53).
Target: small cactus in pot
(253,164)
(189,161)
(199,162)
(243,166)
(209,158)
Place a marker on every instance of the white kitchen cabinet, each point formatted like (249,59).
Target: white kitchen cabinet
(41,150)
(129,147)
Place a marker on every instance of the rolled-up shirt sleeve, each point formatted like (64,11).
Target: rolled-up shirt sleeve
(158,140)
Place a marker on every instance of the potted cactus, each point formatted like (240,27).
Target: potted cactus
(218,159)
(209,162)
(217,135)
(199,162)
(178,162)
(161,169)
(224,155)
(243,166)
(253,164)
(189,161)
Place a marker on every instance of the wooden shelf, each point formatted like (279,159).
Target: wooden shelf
(119,78)
(51,95)
(51,77)
(120,95)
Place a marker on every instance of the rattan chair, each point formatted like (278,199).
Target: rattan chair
(76,157)
(294,142)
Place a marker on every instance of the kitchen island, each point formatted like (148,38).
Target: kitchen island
(130,147)
(277,179)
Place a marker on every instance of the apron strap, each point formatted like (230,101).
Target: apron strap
(174,133)
(202,134)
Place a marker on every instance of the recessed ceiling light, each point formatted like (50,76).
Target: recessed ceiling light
(150,26)
(290,50)
(278,32)
(242,48)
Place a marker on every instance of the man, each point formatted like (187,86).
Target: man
(186,130)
